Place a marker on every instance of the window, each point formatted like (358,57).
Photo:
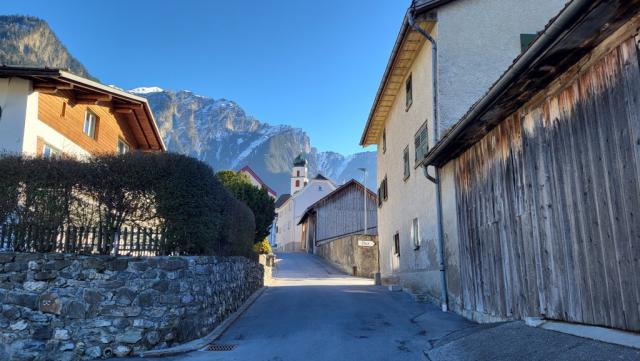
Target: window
(90,121)
(297,173)
(50,152)
(421,142)
(408,92)
(526,40)
(320,188)
(415,233)
(63,112)
(122,148)
(384,140)
(382,192)
(384,189)
(396,244)
(405,160)
(297,183)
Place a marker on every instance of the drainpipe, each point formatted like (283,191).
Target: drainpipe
(436,178)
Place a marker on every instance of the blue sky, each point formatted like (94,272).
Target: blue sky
(310,64)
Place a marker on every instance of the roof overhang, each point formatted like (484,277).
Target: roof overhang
(576,31)
(406,48)
(85,91)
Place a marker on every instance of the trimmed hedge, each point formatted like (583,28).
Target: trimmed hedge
(257,199)
(174,193)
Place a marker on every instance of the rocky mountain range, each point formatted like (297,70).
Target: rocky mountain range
(221,133)
(26,40)
(216,131)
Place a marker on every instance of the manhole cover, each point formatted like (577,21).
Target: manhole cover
(220,347)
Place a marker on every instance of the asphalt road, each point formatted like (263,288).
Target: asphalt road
(314,312)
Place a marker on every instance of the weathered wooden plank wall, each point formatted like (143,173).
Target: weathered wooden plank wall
(343,214)
(549,204)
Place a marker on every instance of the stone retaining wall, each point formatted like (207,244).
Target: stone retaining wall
(69,307)
(346,254)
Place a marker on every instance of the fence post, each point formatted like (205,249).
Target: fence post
(3,237)
(116,239)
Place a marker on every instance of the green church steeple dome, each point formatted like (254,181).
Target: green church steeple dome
(300,161)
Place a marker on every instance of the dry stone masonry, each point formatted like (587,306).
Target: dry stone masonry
(71,307)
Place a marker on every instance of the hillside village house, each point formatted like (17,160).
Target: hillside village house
(257,181)
(476,41)
(51,112)
(334,228)
(542,178)
(290,207)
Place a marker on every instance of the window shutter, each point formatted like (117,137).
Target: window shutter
(396,244)
(385,189)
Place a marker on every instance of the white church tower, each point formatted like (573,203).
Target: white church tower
(299,177)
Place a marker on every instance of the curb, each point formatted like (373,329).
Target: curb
(212,336)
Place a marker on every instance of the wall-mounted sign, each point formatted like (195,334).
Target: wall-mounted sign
(366,243)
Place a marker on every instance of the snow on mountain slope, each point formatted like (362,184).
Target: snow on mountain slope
(146,90)
(220,133)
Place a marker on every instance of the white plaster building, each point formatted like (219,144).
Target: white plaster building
(291,207)
(476,40)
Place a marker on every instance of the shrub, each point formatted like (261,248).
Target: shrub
(175,195)
(262,247)
(258,200)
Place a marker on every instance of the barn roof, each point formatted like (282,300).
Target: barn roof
(282,200)
(333,194)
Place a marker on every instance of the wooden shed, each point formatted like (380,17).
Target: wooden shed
(333,228)
(546,170)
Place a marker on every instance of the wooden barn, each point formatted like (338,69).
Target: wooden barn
(333,228)
(542,178)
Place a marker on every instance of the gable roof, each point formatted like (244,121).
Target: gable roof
(248,169)
(335,193)
(573,33)
(282,200)
(408,44)
(135,108)
(320,177)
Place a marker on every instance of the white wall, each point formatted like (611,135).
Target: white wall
(410,198)
(20,127)
(284,223)
(477,41)
(289,233)
(14,93)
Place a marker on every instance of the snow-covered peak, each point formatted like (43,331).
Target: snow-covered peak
(146,90)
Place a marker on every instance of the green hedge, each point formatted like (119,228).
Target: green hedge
(174,193)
